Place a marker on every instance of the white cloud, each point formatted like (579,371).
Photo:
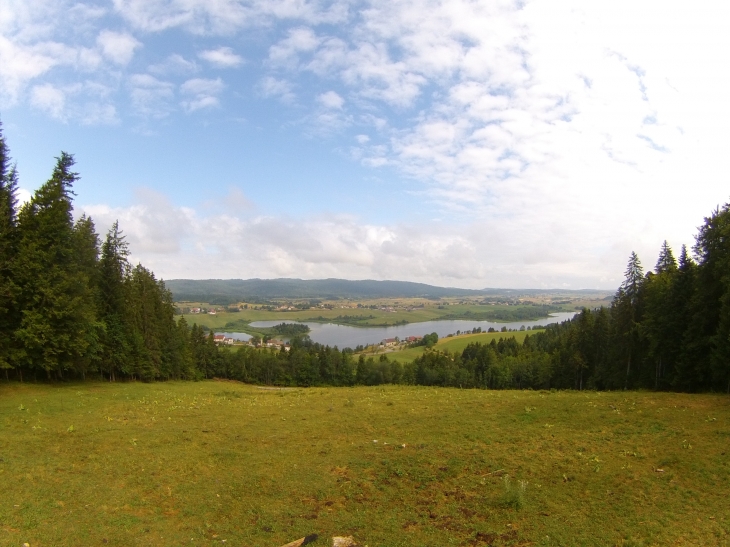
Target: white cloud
(19,65)
(273,87)
(223,57)
(99,114)
(181,242)
(31,45)
(201,93)
(87,102)
(50,99)
(330,117)
(286,51)
(23,196)
(332,100)
(174,64)
(153,226)
(117,46)
(150,96)
(224,17)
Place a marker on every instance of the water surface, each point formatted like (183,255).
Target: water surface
(344,336)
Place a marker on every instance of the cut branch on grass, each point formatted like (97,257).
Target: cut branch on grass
(302,541)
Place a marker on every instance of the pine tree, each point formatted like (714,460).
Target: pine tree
(181,355)
(666,261)
(114,271)
(54,295)
(601,345)
(658,325)
(9,313)
(86,270)
(626,315)
(713,298)
(145,303)
(682,302)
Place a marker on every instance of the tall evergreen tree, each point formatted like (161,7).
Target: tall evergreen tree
(626,315)
(713,296)
(145,307)
(54,291)
(114,271)
(682,302)
(666,261)
(9,313)
(86,258)
(658,324)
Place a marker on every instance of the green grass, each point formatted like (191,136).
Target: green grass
(456,343)
(196,463)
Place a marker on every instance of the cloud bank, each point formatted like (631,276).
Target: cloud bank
(552,137)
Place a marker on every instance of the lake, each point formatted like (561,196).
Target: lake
(344,336)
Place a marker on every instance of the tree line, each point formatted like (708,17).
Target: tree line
(668,329)
(72,305)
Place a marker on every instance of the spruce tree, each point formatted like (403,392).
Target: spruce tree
(626,316)
(682,302)
(86,269)
(9,313)
(53,288)
(146,340)
(666,261)
(713,298)
(658,325)
(114,271)
(153,324)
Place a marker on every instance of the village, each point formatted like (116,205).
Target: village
(387,344)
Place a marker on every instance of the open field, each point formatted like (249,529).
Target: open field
(199,463)
(403,310)
(456,343)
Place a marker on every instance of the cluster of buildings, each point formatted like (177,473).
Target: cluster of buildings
(211,311)
(392,342)
(223,340)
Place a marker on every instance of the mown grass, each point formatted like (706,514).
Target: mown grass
(456,344)
(199,463)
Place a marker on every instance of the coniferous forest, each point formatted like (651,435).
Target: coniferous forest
(72,306)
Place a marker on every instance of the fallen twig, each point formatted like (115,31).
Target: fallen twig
(302,541)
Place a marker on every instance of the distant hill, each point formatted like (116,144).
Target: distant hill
(226,291)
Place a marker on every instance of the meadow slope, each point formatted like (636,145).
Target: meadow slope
(199,463)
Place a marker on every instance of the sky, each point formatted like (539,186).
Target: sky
(511,144)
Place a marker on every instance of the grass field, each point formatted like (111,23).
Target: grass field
(456,343)
(199,463)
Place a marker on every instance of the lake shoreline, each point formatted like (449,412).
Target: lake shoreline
(350,336)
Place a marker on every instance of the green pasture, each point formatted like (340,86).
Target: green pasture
(456,344)
(221,463)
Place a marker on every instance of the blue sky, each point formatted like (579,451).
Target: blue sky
(474,144)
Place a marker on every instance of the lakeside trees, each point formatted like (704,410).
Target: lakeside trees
(668,329)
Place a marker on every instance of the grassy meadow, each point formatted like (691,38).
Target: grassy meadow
(456,343)
(222,463)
